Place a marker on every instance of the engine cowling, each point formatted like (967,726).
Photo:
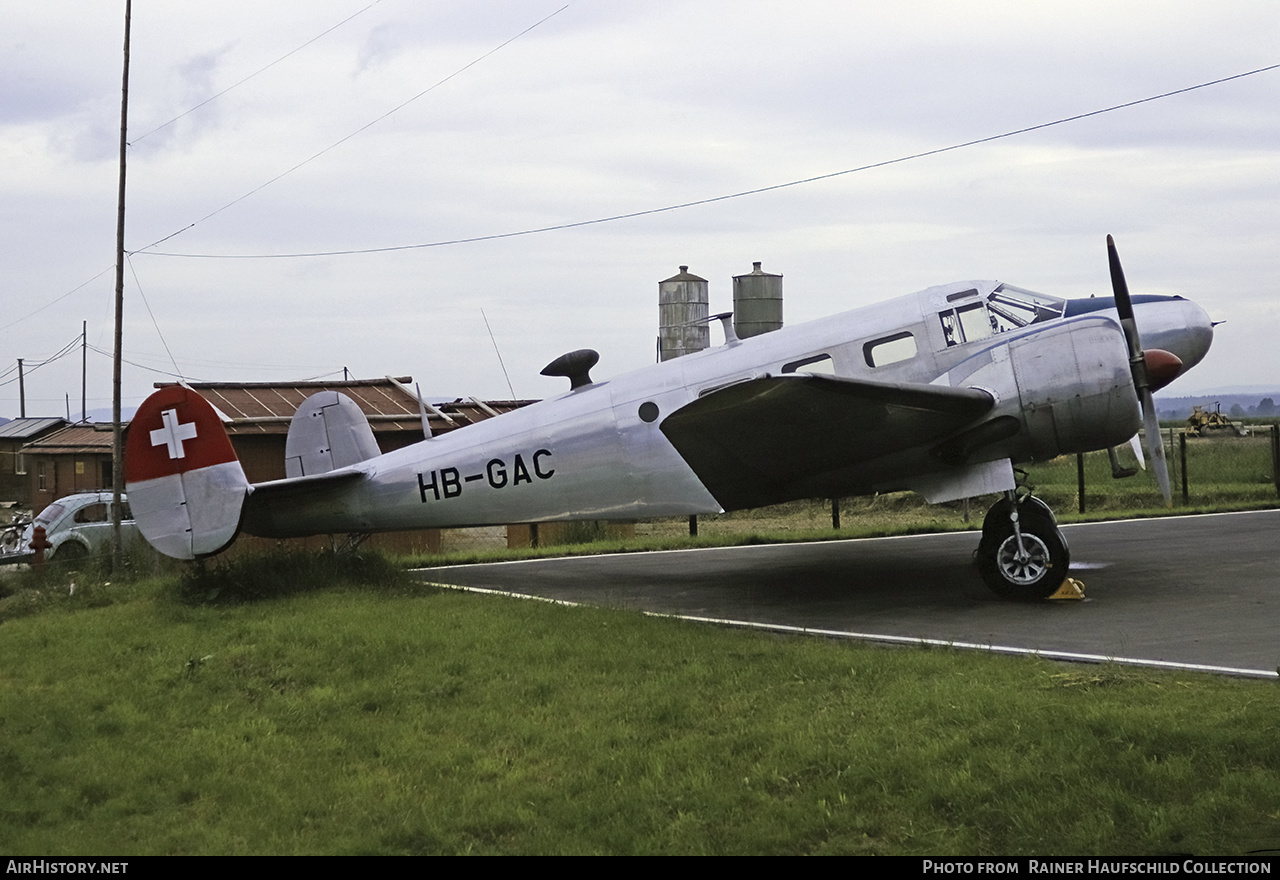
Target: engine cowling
(1068,384)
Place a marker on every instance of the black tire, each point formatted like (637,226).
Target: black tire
(997,526)
(71,554)
(1028,576)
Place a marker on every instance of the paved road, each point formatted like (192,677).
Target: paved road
(1195,590)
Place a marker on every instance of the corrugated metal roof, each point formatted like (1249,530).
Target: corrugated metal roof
(83,439)
(268,407)
(24,429)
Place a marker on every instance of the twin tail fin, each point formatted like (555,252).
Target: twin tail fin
(187,489)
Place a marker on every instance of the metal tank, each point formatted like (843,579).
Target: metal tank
(757,302)
(682,315)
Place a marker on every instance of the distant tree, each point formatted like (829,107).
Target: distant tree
(1266,407)
(1237,411)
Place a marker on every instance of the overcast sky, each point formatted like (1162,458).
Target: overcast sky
(608,108)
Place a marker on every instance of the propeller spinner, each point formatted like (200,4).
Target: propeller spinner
(1151,370)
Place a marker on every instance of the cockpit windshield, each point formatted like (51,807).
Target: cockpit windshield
(969,317)
(1012,307)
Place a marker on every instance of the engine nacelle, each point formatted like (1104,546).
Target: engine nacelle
(1068,384)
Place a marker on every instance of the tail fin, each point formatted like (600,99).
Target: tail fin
(186,487)
(329,431)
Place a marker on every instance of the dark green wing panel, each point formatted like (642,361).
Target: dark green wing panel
(776,438)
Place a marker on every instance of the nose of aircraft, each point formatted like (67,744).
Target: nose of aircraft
(1177,326)
(1162,367)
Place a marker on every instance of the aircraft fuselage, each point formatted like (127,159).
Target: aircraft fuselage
(1056,371)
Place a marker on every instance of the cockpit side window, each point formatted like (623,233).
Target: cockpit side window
(974,322)
(967,323)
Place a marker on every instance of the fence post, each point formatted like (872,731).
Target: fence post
(1080,478)
(835,513)
(1275,457)
(1182,462)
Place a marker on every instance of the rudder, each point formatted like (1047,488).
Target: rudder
(186,486)
(329,431)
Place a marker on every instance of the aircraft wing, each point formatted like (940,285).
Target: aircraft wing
(775,438)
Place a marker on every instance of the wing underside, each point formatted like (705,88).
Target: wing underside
(779,438)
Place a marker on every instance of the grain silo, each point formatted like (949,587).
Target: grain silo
(682,315)
(757,302)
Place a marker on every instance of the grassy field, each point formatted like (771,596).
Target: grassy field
(313,705)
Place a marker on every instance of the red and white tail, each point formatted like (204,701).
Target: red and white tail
(186,487)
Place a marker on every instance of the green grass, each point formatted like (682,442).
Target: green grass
(303,705)
(1222,473)
(310,704)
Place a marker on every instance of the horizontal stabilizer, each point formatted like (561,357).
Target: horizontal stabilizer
(186,487)
(329,431)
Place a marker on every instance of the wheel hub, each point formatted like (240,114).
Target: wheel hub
(1023,565)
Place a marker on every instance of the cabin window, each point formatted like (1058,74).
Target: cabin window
(890,349)
(819,364)
(41,480)
(19,463)
(712,389)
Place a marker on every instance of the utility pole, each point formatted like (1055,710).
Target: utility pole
(22,392)
(117,443)
(84,370)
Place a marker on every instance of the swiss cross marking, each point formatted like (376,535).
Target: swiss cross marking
(173,433)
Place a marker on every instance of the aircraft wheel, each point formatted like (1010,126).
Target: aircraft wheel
(997,525)
(1034,570)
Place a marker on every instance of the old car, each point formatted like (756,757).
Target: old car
(79,526)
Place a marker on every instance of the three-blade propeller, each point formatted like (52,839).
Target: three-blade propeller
(1151,369)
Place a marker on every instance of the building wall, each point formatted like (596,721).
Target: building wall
(14,484)
(53,476)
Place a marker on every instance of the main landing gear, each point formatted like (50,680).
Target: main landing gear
(1023,554)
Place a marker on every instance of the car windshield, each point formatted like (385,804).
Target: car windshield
(49,514)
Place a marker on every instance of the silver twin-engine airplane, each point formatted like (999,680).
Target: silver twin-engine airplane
(941,392)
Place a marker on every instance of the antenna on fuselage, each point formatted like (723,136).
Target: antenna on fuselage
(726,321)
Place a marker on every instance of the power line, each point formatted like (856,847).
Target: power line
(178,375)
(152,314)
(721,198)
(358,131)
(188,112)
(30,367)
(54,302)
(254,74)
